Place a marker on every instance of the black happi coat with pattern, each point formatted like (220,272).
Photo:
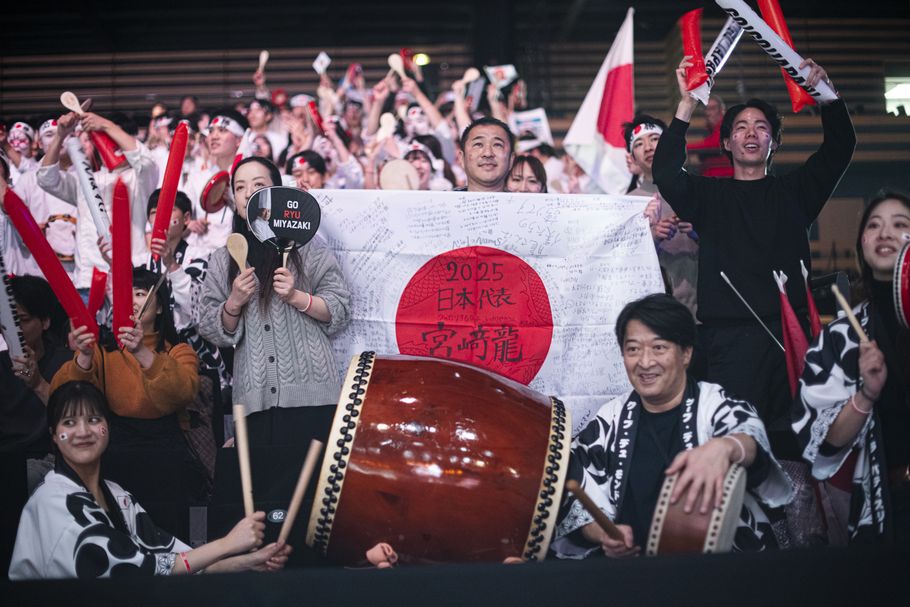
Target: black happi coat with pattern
(830,378)
(64,533)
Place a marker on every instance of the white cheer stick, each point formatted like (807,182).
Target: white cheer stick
(89,188)
(263,59)
(717,57)
(788,59)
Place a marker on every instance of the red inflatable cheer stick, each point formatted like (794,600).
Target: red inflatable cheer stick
(96,293)
(122,262)
(47,260)
(690,25)
(771,13)
(169,184)
(316,116)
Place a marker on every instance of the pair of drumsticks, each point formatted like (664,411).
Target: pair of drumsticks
(246,478)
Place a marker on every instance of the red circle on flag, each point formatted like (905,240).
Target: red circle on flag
(481,306)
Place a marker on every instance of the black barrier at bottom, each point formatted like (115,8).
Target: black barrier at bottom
(865,575)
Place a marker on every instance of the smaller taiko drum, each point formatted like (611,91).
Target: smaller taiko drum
(673,531)
(443,461)
(901,286)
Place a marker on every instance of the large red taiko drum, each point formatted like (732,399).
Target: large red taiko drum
(443,461)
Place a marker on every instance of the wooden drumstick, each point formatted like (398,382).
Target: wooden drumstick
(243,456)
(602,519)
(306,472)
(850,316)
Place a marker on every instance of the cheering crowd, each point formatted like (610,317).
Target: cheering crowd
(261,334)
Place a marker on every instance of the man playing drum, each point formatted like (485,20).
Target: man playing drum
(668,423)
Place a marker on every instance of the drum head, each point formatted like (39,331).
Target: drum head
(214,194)
(399,175)
(901,285)
(282,216)
(675,532)
(725,519)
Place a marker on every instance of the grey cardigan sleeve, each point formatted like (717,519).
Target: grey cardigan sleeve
(327,282)
(215,291)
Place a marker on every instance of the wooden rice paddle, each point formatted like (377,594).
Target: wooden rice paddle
(850,316)
(107,148)
(241,441)
(263,59)
(239,249)
(306,473)
(470,75)
(599,517)
(397,64)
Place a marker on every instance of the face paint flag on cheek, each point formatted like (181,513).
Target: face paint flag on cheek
(63,436)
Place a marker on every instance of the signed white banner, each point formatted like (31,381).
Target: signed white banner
(526,285)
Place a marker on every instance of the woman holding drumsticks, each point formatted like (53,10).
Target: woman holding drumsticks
(853,407)
(279,319)
(77,524)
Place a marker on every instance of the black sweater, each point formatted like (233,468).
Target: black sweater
(749,228)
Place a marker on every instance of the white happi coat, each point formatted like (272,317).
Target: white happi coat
(64,533)
(602,455)
(140,179)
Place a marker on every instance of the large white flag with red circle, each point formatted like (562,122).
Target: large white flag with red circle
(526,285)
(595,140)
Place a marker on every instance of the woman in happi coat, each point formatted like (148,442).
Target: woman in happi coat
(852,414)
(77,524)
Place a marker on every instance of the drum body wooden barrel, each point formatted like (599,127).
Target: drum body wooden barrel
(675,532)
(443,461)
(901,285)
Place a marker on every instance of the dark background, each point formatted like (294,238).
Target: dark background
(493,27)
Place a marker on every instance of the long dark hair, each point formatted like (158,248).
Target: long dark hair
(266,258)
(863,289)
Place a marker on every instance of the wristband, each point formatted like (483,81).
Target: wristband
(857,409)
(237,315)
(186,563)
(309,302)
(742,449)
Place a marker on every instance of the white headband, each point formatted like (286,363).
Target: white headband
(229,124)
(47,126)
(26,130)
(645,128)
